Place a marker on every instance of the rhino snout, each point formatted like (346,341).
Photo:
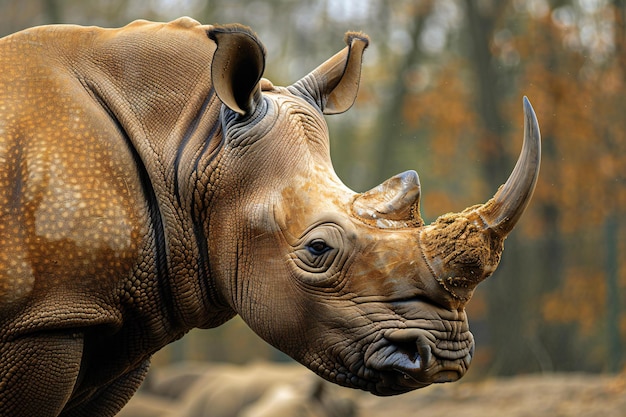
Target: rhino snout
(414,358)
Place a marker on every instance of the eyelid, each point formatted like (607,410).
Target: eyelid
(317,252)
(321,268)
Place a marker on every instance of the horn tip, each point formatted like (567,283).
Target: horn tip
(531,126)
(530,115)
(529,112)
(410,177)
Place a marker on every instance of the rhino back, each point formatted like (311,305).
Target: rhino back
(101,131)
(73,214)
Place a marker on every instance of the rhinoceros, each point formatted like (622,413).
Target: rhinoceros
(152,181)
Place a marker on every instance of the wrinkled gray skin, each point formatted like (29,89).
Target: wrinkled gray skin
(152,182)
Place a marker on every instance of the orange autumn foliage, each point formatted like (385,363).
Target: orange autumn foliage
(577,301)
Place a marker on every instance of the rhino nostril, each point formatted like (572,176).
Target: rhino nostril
(414,344)
(410,351)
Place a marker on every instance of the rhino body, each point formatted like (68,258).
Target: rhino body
(151,181)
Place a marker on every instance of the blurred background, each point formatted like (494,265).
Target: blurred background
(441,93)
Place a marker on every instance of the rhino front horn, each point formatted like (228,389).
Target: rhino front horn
(462,249)
(502,212)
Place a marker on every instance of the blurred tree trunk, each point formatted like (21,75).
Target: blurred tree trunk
(613,295)
(481,22)
(391,125)
(513,294)
(612,224)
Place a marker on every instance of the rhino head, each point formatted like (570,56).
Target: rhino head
(353,285)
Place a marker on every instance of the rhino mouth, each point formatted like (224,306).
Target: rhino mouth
(408,359)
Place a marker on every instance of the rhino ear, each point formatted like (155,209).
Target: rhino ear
(237,67)
(334,84)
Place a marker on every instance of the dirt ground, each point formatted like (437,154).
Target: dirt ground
(554,395)
(548,395)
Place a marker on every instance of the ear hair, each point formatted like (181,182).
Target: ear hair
(350,36)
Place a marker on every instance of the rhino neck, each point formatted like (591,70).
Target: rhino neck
(186,232)
(174,168)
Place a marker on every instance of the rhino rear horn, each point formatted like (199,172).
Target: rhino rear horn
(334,85)
(393,204)
(237,67)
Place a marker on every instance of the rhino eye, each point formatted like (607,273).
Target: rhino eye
(320,254)
(318,247)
